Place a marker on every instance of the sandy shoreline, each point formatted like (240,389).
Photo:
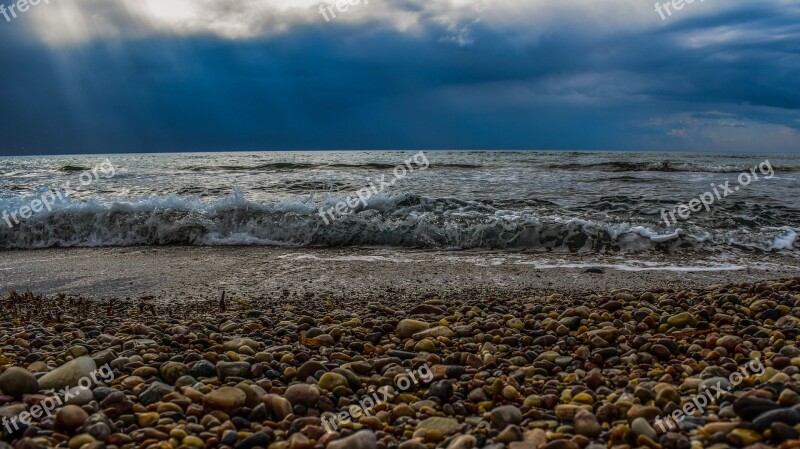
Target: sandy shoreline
(200,273)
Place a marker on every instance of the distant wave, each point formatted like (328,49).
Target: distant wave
(73,168)
(663,166)
(290,166)
(613,166)
(271,166)
(395,220)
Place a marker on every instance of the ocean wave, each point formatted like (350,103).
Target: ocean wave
(73,168)
(292,166)
(271,166)
(662,166)
(392,220)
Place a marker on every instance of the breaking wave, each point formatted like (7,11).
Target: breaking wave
(393,220)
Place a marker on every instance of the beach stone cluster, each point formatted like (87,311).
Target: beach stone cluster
(515,370)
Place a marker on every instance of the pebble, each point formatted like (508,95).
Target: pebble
(172,371)
(743,437)
(302,394)
(446,426)
(781,432)
(225,398)
(363,439)
(510,434)
(79,441)
(407,328)
(533,439)
(68,374)
(203,368)
(17,381)
(586,424)
(748,408)
(681,320)
(258,439)
(714,384)
(308,369)
(673,440)
(561,444)
(506,415)
(154,393)
(787,416)
(79,396)
(278,406)
(70,417)
(463,442)
(226,370)
(331,381)
(641,427)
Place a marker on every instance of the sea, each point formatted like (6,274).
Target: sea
(554,202)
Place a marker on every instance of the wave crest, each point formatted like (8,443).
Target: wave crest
(396,220)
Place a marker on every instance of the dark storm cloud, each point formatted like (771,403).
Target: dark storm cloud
(364,85)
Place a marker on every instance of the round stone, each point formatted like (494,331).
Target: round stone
(233,369)
(70,417)
(681,320)
(586,424)
(506,415)
(329,381)
(203,368)
(172,371)
(364,439)
(303,394)
(445,426)
(17,381)
(308,369)
(79,441)
(640,426)
(225,398)
(407,328)
(68,374)
(278,406)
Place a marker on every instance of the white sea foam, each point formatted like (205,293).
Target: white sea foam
(786,241)
(391,220)
(634,267)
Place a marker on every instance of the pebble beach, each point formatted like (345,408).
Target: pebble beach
(510,369)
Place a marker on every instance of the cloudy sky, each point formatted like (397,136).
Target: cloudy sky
(88,76)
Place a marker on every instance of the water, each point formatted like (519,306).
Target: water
(561,202)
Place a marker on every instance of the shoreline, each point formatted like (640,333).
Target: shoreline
(188,274)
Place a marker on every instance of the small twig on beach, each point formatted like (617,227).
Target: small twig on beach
(222,307)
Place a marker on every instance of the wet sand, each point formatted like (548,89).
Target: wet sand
(199,273)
